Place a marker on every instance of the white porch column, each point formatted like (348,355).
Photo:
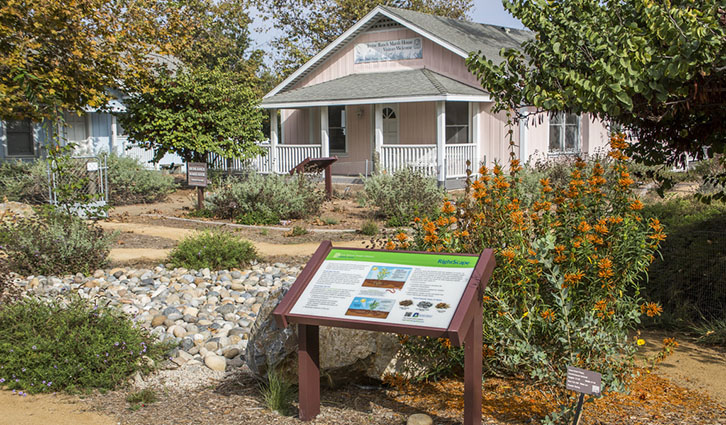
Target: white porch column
(378,134)
(324,132)
(441,141)
(114,136)
(273,140)
(475,136)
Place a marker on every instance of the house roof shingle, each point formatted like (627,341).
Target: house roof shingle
(467,36)
(413,83)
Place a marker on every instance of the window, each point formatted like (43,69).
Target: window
(457,122)
(564,133)
(19,136)
(336,128)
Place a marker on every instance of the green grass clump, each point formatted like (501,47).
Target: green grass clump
(214,249)
(141,398)
(297,231)
(277,393)
(712,332)
(70,345)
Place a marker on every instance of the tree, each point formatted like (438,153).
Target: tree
(655,68)
(310,25)
(195,111)
(58,56)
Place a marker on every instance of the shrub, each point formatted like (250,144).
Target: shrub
(711,332)
(263,198)
(130,183)
(297,231)
(688,278)
(54,243)
(369,228)
(566,289)
(25,182)
(401,196)
(214,249)
(57,345)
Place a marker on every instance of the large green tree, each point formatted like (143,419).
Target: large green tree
(309,25)
(194,111)
(64,55)
(656,68)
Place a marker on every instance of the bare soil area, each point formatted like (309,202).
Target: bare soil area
(43,409)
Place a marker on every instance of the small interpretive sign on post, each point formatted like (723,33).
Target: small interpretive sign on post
(197,174)
(584,382)
(410,293)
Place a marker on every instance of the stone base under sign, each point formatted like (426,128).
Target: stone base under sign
(346,355)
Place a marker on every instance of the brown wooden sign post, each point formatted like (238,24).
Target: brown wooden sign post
(197,177)
(404,292)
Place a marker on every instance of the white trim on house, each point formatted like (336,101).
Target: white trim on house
(443,97)
(353,31)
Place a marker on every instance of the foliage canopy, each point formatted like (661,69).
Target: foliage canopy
(195,111)
(655,68)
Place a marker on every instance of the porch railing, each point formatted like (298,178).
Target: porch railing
(456,157)
(419,157)
(288,156)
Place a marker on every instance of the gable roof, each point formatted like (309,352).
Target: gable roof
(460,37)
(383,87)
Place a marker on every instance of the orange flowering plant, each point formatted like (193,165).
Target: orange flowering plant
(570,257)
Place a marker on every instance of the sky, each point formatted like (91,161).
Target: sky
(485,11)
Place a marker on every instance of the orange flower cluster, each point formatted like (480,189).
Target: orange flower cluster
(651,309)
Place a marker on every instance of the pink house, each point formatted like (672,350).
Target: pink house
(394,91)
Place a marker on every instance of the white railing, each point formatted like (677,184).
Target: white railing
(456,157)
(260,163)
(419,157)
(288,156)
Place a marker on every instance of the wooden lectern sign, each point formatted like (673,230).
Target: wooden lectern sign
(414,293)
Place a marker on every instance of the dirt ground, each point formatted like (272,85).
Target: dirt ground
(692,366)
(44,409)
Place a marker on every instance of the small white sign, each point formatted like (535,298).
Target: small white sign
(389,50)
(92,166)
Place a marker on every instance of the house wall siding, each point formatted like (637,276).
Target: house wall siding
(435,57)
(417,123)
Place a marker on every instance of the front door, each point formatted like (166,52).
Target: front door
(390,125)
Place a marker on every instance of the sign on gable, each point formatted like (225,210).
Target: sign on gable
(389,50)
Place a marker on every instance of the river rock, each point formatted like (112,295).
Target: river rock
(346,355)
(215,362)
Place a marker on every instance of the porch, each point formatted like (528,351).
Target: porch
(378,122)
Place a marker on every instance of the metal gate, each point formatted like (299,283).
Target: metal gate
(80,184)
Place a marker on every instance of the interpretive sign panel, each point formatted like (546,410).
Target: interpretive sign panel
(583,380)
(197,174)
(389,50)
(414,289)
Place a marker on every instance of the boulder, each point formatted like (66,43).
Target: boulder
(346,355)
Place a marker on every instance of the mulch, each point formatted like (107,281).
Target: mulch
(652,400)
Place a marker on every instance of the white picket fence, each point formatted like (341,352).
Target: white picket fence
(286,158)
(423,158)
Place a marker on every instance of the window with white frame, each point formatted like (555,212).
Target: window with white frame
(457,122)
(19,138)
(336,129)
(564,133)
